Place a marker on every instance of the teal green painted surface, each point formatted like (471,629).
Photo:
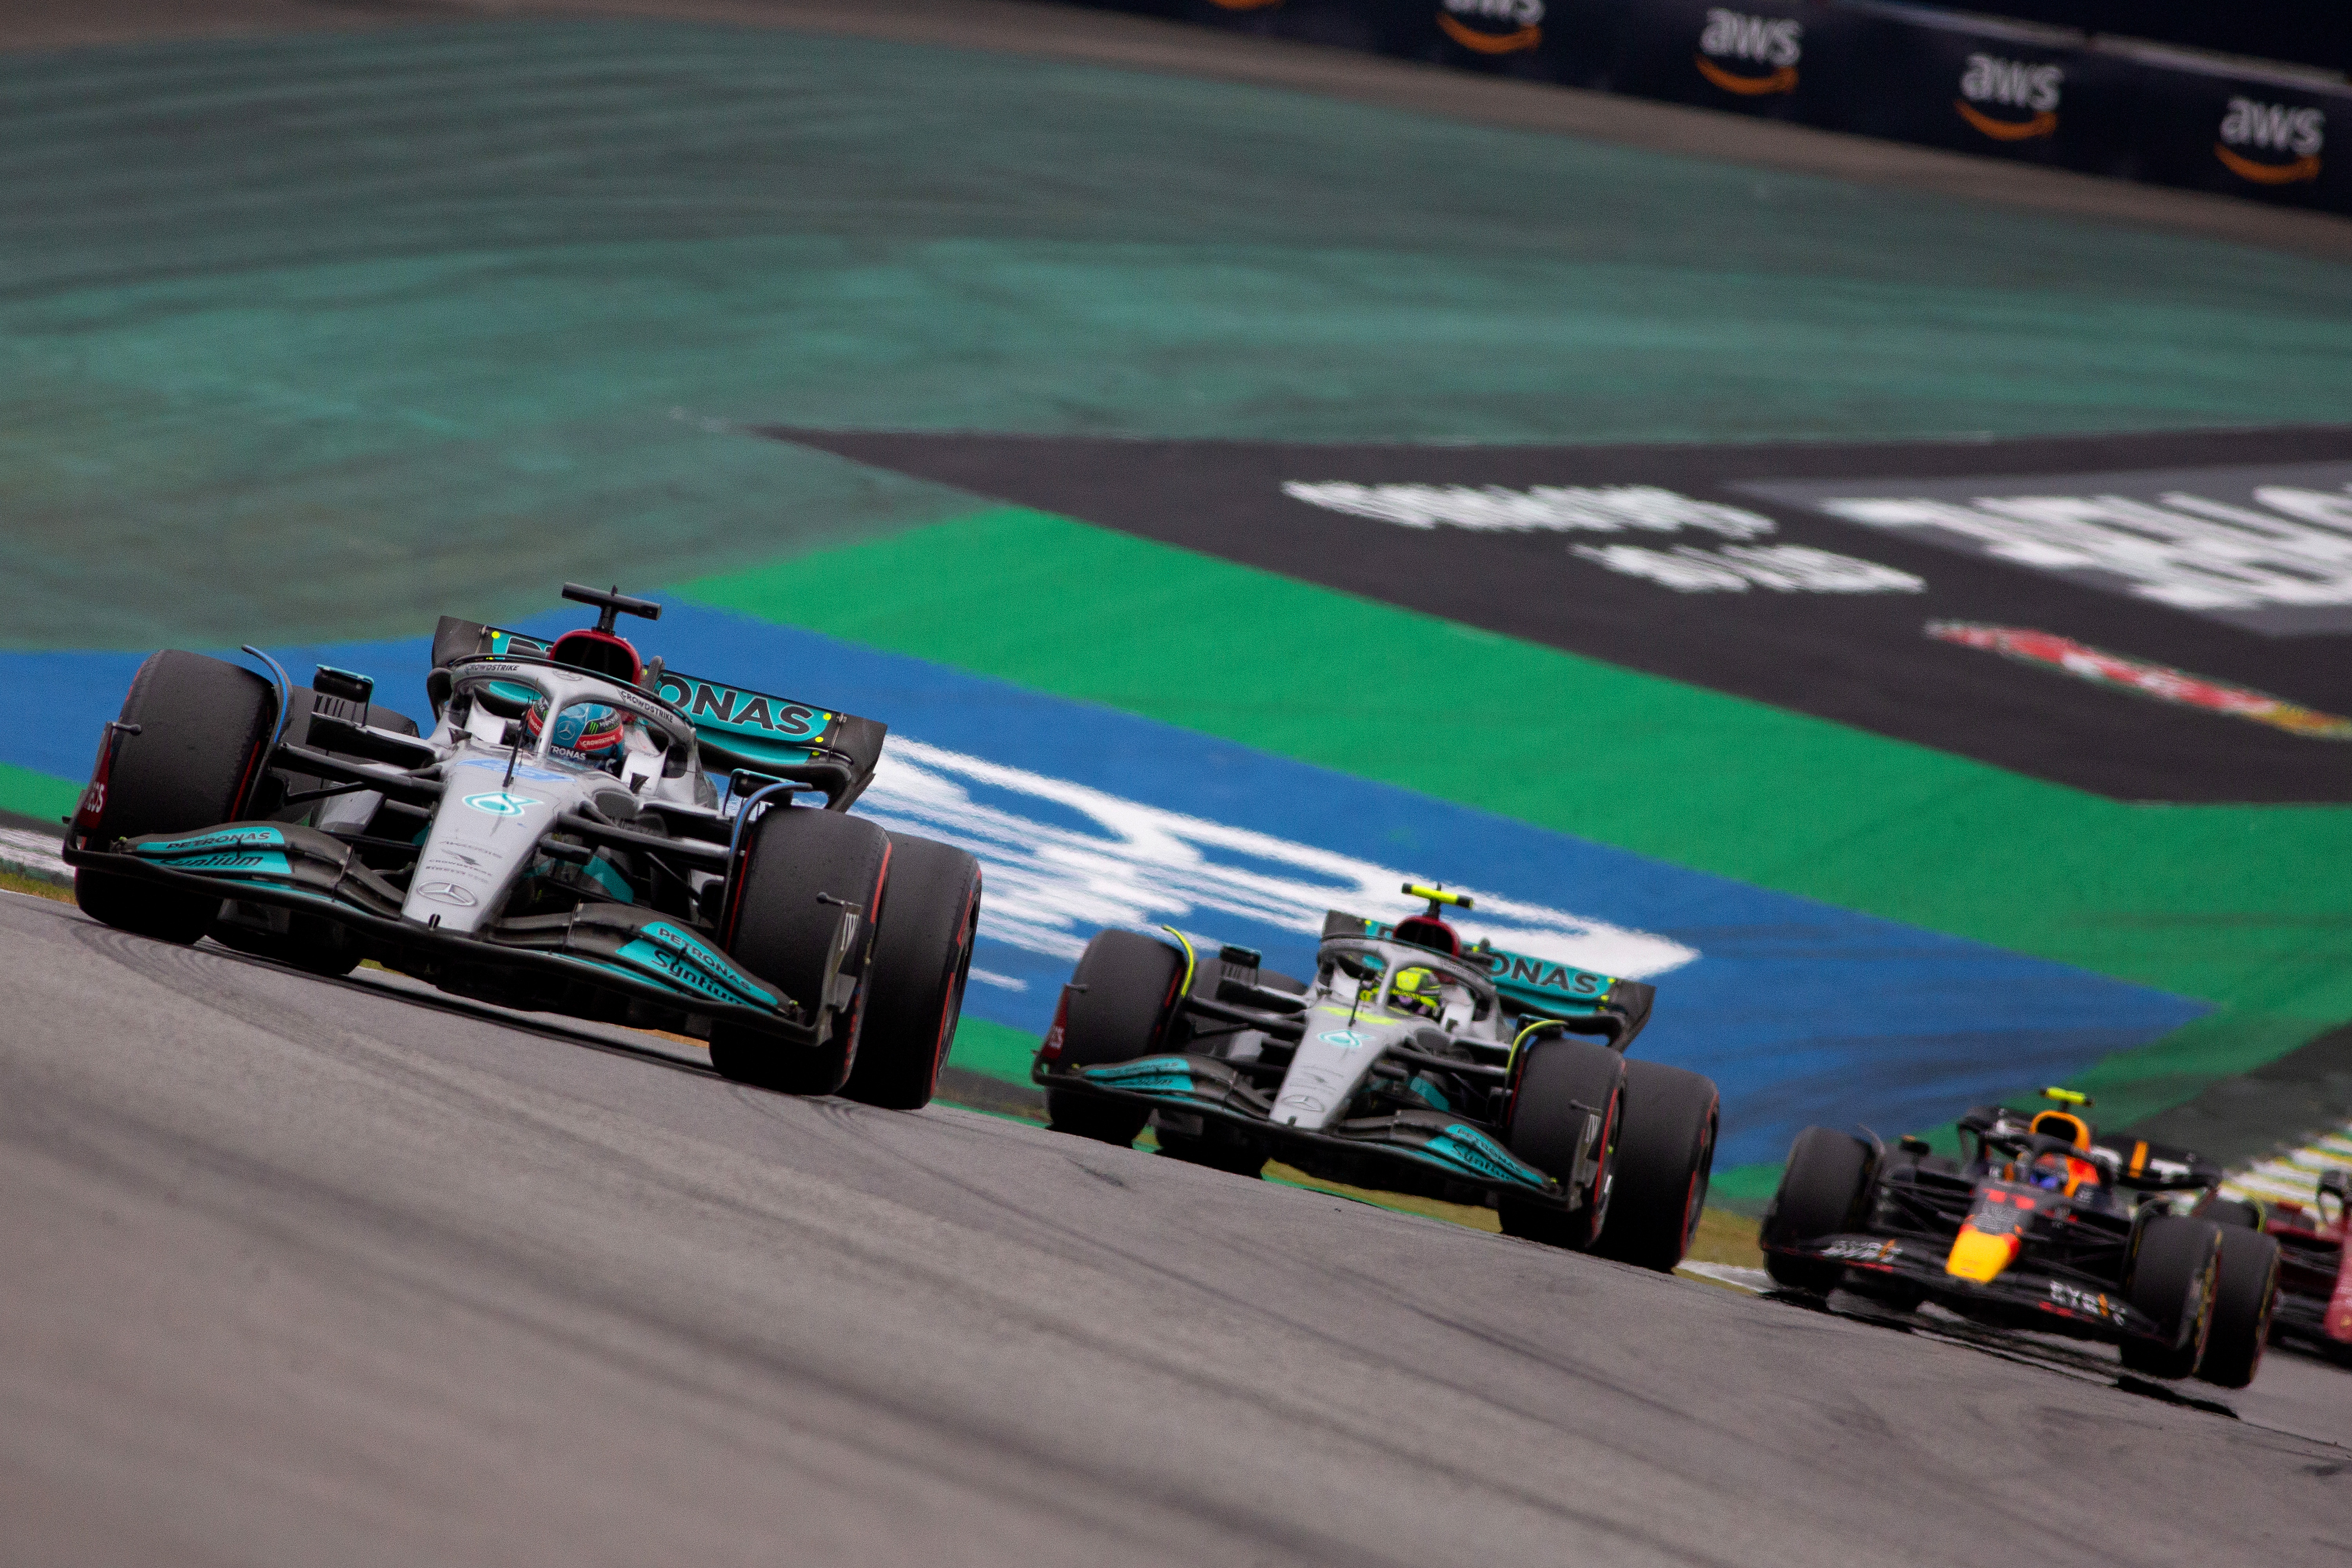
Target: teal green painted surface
(327,334)
(38,795)
(982,1047)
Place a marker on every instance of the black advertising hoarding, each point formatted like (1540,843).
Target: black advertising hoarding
(2309,32)
(1370,27)
(1878,68)
(1571,42)
(1783,59)
(2244,132)
(2007,90)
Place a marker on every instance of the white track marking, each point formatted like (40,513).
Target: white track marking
(1064,860)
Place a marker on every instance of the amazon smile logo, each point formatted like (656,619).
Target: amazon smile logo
(2250,130)
(1999,84)
(1473,23)
(1777,42)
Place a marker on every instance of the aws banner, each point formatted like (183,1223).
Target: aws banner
(1876,68)
(2277,137)
(1784,60)
(2007,90)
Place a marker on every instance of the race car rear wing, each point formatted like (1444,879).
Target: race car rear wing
(1534,987)
(735,729)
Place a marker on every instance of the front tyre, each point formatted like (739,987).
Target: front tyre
(1124,995)
(922,956)
(2245,1296)
(1563,1082)
(203,728)
(1665,1155)
(1820,1195)
(2176,1268)
(799,868)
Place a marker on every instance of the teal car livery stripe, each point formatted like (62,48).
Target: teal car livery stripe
(218,841)
(1467,1148)
(690,964)
(1152,1075)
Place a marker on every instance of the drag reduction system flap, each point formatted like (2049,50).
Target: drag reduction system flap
(1537,986)
(734,727)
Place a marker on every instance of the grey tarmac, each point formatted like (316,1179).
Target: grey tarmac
(309,1271)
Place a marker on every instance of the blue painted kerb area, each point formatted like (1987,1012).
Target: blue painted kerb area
(1801,1011)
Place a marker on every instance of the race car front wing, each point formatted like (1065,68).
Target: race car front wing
(1420,1139)
(2079,1307)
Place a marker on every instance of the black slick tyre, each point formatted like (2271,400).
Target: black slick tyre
(1129,983)
(1561,1082)
(2243,1299)
(2176,1267)
(204,726)
(1820,1194)
(780,927)
(1665,1155)
(922,957)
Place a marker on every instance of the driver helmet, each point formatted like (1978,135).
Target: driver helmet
(586,733)
(1419,990)
(2048,1170)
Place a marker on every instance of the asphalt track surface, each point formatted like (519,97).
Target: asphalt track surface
(310,1271)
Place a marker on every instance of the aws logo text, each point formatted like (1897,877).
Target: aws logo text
(2272,128)
(2002,84)
(1493,26)
(1774,41)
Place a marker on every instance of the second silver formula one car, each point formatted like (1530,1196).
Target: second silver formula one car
(1410,1062)
(556,841)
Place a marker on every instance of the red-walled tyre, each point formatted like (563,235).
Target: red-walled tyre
(1664,1157)
(922,956)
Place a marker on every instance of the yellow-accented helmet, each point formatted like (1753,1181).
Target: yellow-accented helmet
(1417,990)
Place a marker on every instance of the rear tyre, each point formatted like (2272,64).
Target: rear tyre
(1129,990)
(1820,1194)
(1560,1082)
(922,956)
(203,726)
(1665,1155)
(2231,1214)
(780,929)
(2176,1270)
(2243,1298)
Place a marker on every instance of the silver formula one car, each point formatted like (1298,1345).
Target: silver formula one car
(1411,1063)
(556,842)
